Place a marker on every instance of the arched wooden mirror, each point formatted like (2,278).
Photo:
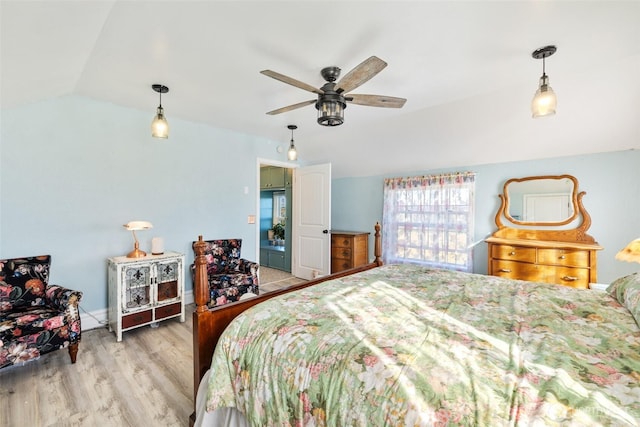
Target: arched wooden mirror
(542,233)
(541,200)
(547,201)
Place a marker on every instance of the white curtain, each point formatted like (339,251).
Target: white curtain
(429,220)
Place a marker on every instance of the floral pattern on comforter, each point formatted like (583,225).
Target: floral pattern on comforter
(413,346)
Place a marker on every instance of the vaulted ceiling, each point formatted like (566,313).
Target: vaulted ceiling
(465,68)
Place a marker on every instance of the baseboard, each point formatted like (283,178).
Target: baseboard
(99,318)
(188,297)
(93,320)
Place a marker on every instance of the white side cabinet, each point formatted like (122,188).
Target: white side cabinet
(143,291)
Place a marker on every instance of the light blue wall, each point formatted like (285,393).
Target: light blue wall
(74,170)
(609,179)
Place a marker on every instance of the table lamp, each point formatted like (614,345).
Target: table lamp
(134,226)
(631,253)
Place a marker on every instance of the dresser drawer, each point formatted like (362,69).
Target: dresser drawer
(340,253)
(568,257)
(136,319)
(573,277)
(341,241)
(168,310)
(515,253)
(338,264)
(516,270)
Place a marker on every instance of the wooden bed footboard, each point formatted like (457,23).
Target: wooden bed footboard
(209,323)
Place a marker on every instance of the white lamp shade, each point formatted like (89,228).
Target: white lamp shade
(159,125)
(292,154)
(544,101)
(138,225)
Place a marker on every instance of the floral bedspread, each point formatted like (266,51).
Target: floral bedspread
(413,346)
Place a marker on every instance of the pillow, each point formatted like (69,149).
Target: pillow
(627,291)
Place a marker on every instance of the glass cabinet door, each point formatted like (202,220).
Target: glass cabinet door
(167,280)
(137,287)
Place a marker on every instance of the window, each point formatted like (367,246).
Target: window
(279,207)
(429,220)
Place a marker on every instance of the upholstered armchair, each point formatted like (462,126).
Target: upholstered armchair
(35,317)
(229,275)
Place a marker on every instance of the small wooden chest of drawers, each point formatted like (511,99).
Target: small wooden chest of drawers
(349,249)
(569,264)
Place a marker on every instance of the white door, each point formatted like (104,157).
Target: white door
(311,221)
(546,207)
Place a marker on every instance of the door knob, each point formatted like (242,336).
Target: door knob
(325,231)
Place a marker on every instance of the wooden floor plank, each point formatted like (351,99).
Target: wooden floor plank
(144,380)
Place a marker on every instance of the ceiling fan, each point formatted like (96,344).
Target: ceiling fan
(333,97)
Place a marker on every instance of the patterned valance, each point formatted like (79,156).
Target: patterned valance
(430,180)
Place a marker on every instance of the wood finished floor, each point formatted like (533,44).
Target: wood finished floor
(145,380)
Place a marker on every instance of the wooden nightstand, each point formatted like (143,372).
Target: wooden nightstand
(349,249)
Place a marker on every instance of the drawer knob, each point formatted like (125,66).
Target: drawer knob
(512,253)
(562,257)
(570,278)
(505,270)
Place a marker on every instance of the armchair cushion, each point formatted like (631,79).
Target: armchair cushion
(222,255)
(35,317)
(229,275)
(23,281)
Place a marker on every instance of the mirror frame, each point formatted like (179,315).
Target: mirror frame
(574,200)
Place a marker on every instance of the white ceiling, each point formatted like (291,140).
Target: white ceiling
(465,68)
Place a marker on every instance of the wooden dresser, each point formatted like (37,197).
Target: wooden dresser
(349,249)
(560,251)
(566,263)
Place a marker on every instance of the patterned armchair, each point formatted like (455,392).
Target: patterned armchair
(35,317)
(229,275)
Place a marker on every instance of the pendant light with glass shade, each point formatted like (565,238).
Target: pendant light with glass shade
(544,101)
(292,154)
(159,125)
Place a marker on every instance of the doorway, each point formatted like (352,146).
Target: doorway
(276,186)
(309,221)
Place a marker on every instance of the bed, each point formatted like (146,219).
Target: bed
(410,345)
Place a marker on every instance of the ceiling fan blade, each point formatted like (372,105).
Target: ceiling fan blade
(360,74)
(291,107)
(291,81)
(376,100)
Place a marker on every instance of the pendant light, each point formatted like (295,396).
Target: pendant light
(544,101)
(292,154)
(159,125)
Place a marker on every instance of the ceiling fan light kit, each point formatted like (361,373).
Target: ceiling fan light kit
(544,101)
(330,103)
(159,125)
(332,97)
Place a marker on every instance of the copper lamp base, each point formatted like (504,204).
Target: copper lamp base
(136,252)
